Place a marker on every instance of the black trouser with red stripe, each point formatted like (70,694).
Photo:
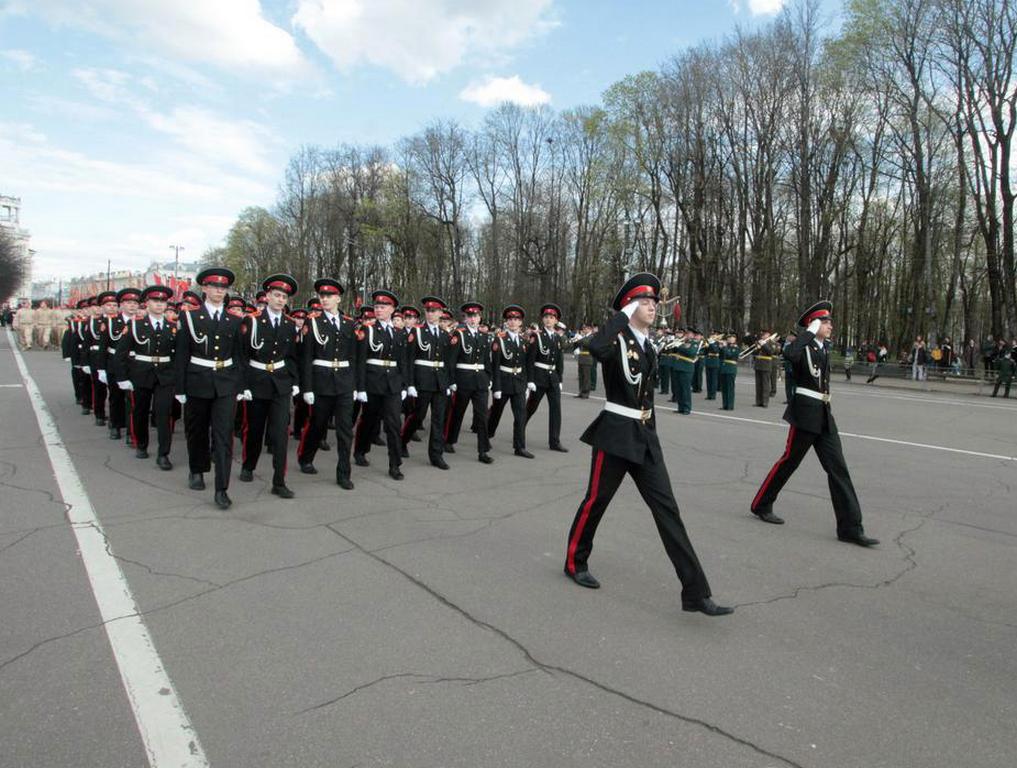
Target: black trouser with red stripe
(606,474)
(98,395)
(460,402)
(380,410)
(316,428)
(117,405)
(82,392)
(436,401)
(267,417)
(831,457)
(145,402)
(518,402)
(553,393)
(202,415)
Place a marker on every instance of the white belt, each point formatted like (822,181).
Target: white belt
(825,397)
(545,366)
(156,359)
(382,363)
(94,348)
(204,362)
(430,363)
(632,413)
(506,369)
(331,363)
(470,366)
(267,366)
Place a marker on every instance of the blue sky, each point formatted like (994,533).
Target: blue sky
(130,125)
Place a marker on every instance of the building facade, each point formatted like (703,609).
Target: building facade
(10,221)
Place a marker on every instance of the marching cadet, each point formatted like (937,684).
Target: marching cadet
(300,407)
(729,353)
(107,309)
(813,426)
(508,369)
(209,358)
(545,366)
(43,319)
(430,380)
(699,365)
(327,378)
(270,381)
(763,364)
(470,354)
(142,367)
(75,351)
(624,440)
(684,364)
(24,322)
(711,364)
(410,323)
(85,352)
(382,379)
(116,326)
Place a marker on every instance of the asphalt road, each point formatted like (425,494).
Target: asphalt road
(427,622)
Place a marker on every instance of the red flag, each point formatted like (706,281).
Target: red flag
(676,313)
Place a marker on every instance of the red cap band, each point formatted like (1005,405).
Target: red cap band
(639,292)
(819,314)
(432,305)
(109,300)
(216,280)
(328,289)
(513,315)
(384,300)
(280,285)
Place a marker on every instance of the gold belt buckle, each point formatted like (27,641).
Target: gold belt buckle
(269,367)
(335,365)
(220,364)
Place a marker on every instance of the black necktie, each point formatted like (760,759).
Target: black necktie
(215,316)
(275,323)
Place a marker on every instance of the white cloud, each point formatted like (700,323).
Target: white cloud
(765,7)
(233,34)
(418,39)
(497,90)
(109,85)
(22,60)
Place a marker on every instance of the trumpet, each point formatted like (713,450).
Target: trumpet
(753,347)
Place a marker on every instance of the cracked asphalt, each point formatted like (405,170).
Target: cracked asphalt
(427,623)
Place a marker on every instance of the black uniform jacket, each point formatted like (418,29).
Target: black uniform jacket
(811,371)
(200,337)
(391,375)
(275,348)
(508,362)
(471,349)
(323,342)
(545,348)
(142,339)
(433,351)
(629,371)
(113,332)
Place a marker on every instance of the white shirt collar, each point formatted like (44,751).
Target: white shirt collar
(153,320)
(333,317)
(212,309)
(432,328)
(273,316)
(640,336)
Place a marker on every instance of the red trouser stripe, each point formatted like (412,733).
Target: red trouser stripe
(451,415)
(585,514)
(305,430)
(243,436)
(773,471)
(130,422)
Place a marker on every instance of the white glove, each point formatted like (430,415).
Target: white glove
(102,377)
(66,359)
(86,368)
(180,398)
(125,385)
(497,395)
(561,386)
(245,395)
(309,398)
(454,387)
(412,392)
(295,390)
(814,326)
(448,391)
(531,386)
(362,397)
(402,395)
(630,308)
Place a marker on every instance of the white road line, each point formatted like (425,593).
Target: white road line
(929,446)
(10,385)
(169,737)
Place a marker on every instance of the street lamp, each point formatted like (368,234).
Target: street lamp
(176,267)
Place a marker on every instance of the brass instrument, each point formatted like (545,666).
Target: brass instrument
(756,345)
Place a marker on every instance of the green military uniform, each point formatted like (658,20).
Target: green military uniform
(1004,374)
(763,365)
(684,366)
(728,370)
(664,372)
(711,364)
(697,371)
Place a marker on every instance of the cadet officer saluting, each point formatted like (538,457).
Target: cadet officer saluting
(545,367)
(270,381)
(508,368)
(624,440)
(382,379)
(430,379)
(471,358)
(328,358)
(729,352)
(812,426)
(142,368)
(209,358)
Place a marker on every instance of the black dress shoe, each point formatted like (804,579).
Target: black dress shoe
(222,500)
(86,411)
(246,475)
(439,463)
(378,441)
(100,421)
(583,579)
(560,448)
(404,452)
(449,448)
(163,463)
(394,473)
(707,606)
(345,483)
(361,460)
(196,482)
(861,540)
(115,434)
(414,438)
(282,492)
(524,453)
(141,453)
(485,459)
(324,446)
(767,516)
(308,469)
